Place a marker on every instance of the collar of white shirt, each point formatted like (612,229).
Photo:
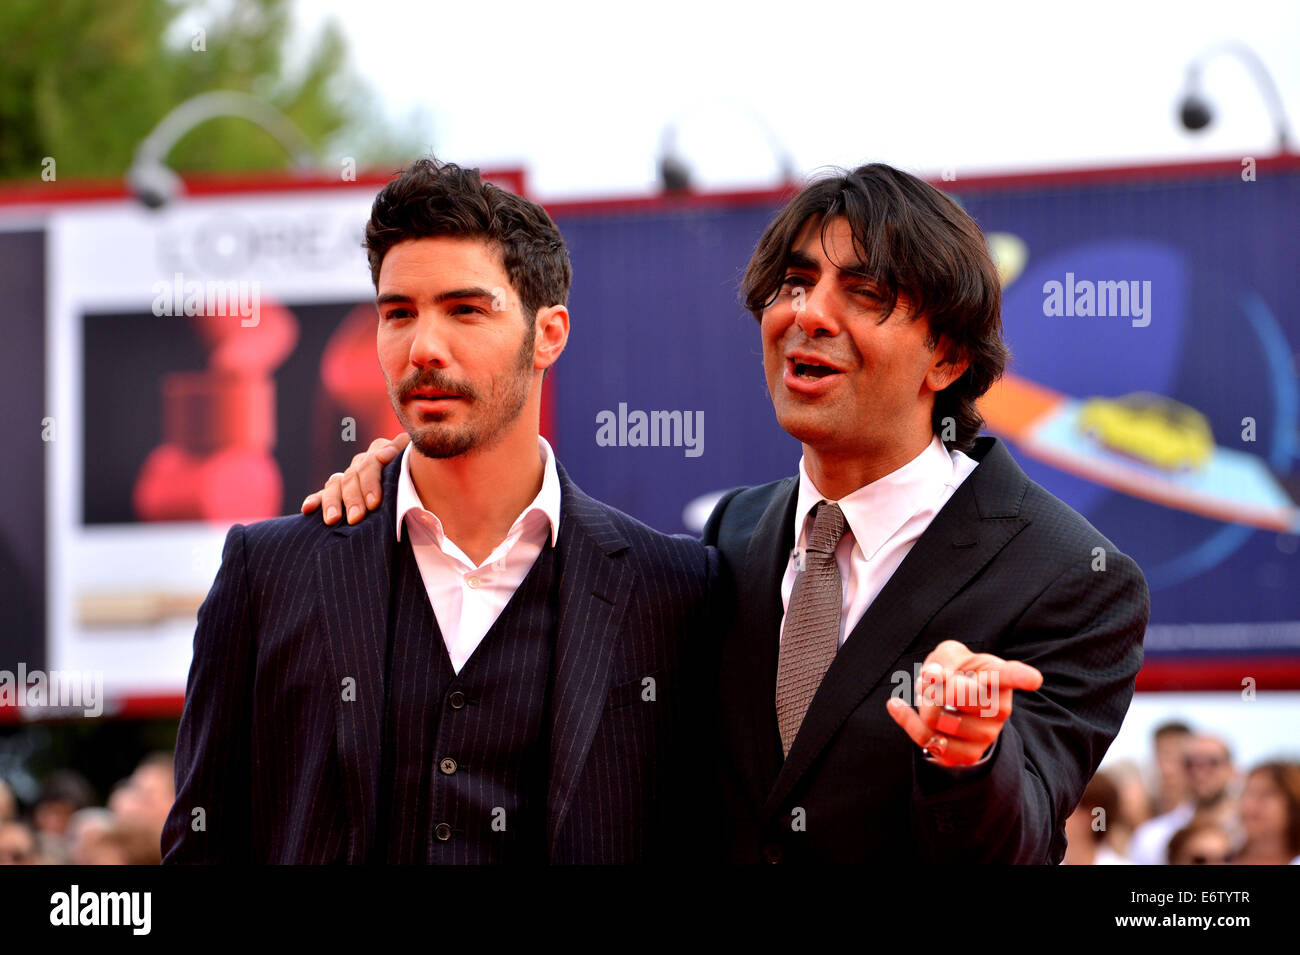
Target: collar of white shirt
(876,511)
(545,508)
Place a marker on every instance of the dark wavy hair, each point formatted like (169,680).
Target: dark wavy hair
(432,199)
(914,241)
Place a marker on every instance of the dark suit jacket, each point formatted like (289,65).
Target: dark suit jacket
(286,770)
(1005,568)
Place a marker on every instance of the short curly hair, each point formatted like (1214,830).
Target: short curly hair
(432,199)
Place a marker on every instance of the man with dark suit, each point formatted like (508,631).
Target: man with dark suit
(889,600)
(908,562)
(497,668)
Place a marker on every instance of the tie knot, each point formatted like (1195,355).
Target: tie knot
(828,527)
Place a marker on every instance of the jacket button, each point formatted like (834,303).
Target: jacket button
(772,853)
(442,831)
(456,699)
(447,765)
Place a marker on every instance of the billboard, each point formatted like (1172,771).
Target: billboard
(212,362)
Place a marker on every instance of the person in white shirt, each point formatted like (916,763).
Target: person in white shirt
(1210,773)
(868,715)
(502,669)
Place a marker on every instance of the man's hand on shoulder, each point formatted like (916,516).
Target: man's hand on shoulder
(357,489)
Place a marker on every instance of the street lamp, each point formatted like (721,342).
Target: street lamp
(155,184)
(1195,110)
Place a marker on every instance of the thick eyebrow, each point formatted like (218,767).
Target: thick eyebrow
(458,293)
(805,263)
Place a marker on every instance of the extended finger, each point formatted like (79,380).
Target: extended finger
(1015,675)
(1012,674)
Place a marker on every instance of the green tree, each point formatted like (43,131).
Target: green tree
(84,81)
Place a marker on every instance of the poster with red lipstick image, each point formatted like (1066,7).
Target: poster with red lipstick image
(211,363)
(206,364)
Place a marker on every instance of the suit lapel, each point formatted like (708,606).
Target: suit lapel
(596,584)
(354,574)
(753,671)
(976,523)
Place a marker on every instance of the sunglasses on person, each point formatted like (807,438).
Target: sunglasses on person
(1204,762)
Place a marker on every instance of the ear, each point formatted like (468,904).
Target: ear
(552,325)
(947,365)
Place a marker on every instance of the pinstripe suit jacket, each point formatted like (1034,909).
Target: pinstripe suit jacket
(1005,568)
(279,742)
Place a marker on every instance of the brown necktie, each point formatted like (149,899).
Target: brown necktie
(812,623)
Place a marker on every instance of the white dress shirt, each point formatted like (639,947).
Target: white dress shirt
(468,598)
(884,520)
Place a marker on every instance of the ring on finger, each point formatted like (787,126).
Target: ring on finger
(936,745)
(949,721)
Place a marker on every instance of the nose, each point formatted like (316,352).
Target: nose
(429,346)
(816,316)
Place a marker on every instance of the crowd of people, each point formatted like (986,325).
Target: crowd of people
(1198,810)
(67,825)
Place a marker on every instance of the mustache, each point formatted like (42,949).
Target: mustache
(801,342)
(433,379)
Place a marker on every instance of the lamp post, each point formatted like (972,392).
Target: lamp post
(155,184)
(1195,110)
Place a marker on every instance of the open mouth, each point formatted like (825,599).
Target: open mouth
(810,371)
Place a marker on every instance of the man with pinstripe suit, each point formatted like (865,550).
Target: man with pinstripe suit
(501,668)
(892,599)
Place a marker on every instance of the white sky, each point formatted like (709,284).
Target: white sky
(579,93)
